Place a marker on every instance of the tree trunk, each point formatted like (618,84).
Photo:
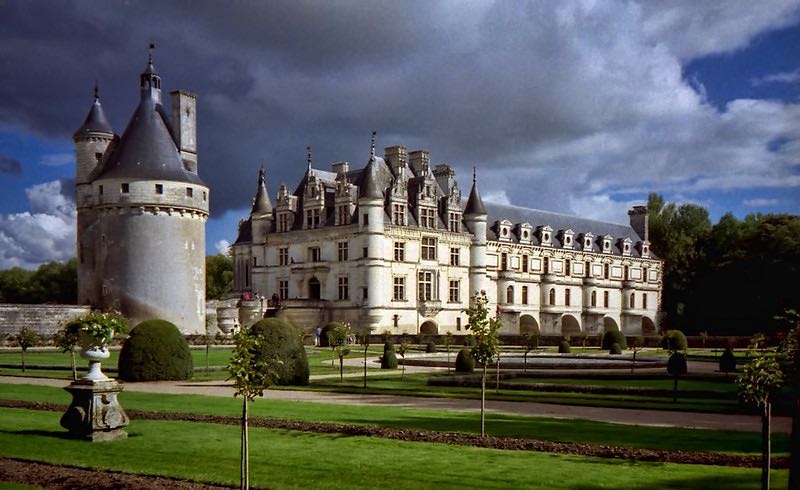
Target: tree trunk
(74,367)
(448,358)
(341,368)
(403,372)
(483,399)
(365,365)
(23,360)
(634,360)
(497,380)
(675,390)
(207,347)
(525,363)
(245,455)
(765,445)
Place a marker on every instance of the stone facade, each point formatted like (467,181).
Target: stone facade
(394,246)
(142,210)
(42,319)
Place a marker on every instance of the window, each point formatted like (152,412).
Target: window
(566,297)
(644,275)
(283,289)
(605,299)
(189,192)
(283,256)
(344,290)
(399,214)
(594,298)
(427,218)
(524,295)
(425,285)
(124,188)
(587,269)
(458,324)
(525,261)
(159,188)
(399,251)
(605,271)
(100,190)
(365,293)
(98,157)
(312,218)
(342,249)
(343,214)
(633,300)
(283,222)
(365,252)
(314,254)
(626,272)
(399,289)
(552,297)
(428,248)
(365,219)
(568,268)
(454,222)
(510,295)
(455,291)
(546,267)
(255,262)
(504,261)
(455,256)
(205,196)
(644,301)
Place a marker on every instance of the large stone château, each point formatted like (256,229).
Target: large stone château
(142,210)
(394,246)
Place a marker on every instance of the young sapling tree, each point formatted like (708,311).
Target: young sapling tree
(636,346)
(404,347)
(66,339)
(337,339)
(25,339)
(447,340)
(487,341)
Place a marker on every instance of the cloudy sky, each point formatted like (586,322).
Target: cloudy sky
(582,107)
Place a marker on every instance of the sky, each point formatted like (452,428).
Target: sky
(579,107)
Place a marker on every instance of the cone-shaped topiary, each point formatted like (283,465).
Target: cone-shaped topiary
(465,363)
(615,349)
(611,337)
(727,361)
(155,350)
(388,346)
(430,347)
(281,340)
(389,359)
(563,347)
(676,364)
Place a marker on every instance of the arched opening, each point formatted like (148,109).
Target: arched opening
(552,297)
(570,326)
(648,327)
(633,300)
(510,295)
(429,328)
(528,325)
(594,298)
(314,290)
(609,324)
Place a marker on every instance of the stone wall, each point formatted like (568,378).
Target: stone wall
(43,319)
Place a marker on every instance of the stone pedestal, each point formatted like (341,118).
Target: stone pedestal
(95,414)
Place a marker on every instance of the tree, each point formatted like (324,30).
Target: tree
(727,362)
(757,384)
(703,338)
(790,347)
(66,339)
(676,366)
(487,341)
(447,340)
(53,282)
(219,276)
(636,346)
(531,342)
(25,338)
(363,337)
(337,340)
(208,339)
(404,347)
(252,374)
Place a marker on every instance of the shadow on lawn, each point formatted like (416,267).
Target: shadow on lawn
(56,434)
(726,482)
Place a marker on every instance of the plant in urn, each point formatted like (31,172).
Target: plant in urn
(95,332)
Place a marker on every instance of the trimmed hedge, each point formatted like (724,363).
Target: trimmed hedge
(612,337)
(676,365)
(615,349)
(673,340)
(727,361)
(465,363)
(563,347)
(155,351)
(389,358)
(430,347)
(281,340)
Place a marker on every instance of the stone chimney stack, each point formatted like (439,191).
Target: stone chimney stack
(184,118)
(419,159)
(638,216)
(396,157)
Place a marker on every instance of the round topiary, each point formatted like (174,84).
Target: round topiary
(563,347)
(430,347)
(154,351)
(727,361)
(469,340)
(282,341)
(615,349)
(611,337)
(676,365)
(465,363)
(389,359)
(673,340)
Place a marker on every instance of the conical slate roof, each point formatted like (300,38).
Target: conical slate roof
(95,122)
(262,205)
(474,202)
(369,183)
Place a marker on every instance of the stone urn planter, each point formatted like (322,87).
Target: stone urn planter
(95,355)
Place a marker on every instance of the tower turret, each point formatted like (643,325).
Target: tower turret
(261,214)
(475,219)
(91,140)
(371,226)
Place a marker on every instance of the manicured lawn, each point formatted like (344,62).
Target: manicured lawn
(719,385)
(286,459)
(563,430)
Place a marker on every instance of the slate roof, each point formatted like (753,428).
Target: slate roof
(95,122)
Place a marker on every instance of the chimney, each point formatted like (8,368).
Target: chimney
(396,158)
(184,119)
(638,216)
(445,175)
(340,167)
(419,159)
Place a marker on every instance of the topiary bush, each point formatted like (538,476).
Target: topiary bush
(673,340)
(430,347)
(676,364)
(323,336)
(615,349)
(465,363)
(727,361)
(469,340)
(563,347)
(388,346)
(281,340)
(154,351)
(611,337)
(389,358)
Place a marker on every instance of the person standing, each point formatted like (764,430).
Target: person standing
(317,335)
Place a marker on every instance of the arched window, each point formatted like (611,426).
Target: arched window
(566,296)
(552,296)
(510,294)
(633,300)
(594,298)
(605,299)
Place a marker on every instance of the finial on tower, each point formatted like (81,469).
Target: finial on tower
(96,91)
(261,177)
(474,175)
(372,144)
(150,49)
(308,158)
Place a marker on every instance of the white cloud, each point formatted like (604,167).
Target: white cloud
(780,77)
(760,202)
(496,196)
(222,246)
(43,234)
(57,159)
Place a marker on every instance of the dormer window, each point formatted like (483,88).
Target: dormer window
(454,221)
(524,232)
(545,235)
(503,230)
(586,240)
(566,238)
(624,245)
(607,244)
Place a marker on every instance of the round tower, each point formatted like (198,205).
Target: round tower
(475,218)
(149,228)
(261,214)
(371,227)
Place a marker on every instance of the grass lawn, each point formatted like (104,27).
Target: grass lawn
(716,385)
(563,430)
(286,459)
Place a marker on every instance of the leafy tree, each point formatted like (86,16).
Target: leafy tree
(531,342)
(219,276)
(24,339)
(404,347)
(727,361)
(676,366)
(757,384)
(636,346)
(363,337)
(66,339)
(337,340)
(252,374)
(487,341)
(790,348)
(53,282)
(447,340)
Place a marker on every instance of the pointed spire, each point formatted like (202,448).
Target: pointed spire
(96,121)
(474,202)
(369,182)
(261,204)
(308,159)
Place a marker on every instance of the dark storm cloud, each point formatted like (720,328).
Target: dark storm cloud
(10,165)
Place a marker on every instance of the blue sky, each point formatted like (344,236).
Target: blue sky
(575,107)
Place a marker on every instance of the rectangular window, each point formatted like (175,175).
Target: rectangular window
(312,218)
(189,192)
(342,249)
(314,254)
(399,288)
(454,220)
(399,251)
(455,256)
(399,214)
(605,271)
(427,217)
(283,256)
(343,215)
(283,289)
(344,289)
(566,297)
(124,188)
(98,157)
(504,261)
(525,261)
(626,272)
(365,293)
(546,268)
(100,190)
(458,323)
(428,248)
(568,268)
(644,301)
(365,252)
(283,222)
(455,291)
(605,299)
(205,196)
(366,219)
(425,286)
(587,271)
(159,188)
(524,295)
